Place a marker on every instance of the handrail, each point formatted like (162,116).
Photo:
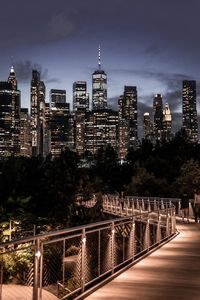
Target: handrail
(77,258)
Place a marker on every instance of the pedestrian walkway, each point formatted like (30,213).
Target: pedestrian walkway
(172,272)
(19,292)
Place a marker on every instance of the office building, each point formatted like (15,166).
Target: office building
(158,116)
(100,130)
(25,133)
(167,122)
(37,114)
(190,122)
(9,117)
(59,122)
(80,107)
(57,96)
(147,126)
(80,96)
(127,105)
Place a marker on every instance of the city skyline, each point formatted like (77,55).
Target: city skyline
(147,44)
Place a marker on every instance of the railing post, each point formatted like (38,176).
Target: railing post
(146,242)
(126,207)
(36,277)
(162,204)
(41,272)
(149,206)
(142,204)
(133,238)
(167,224)
(179,207)
(1,276)
(99,252)
(191,214)
(112,245)
(83,260)
(155,205)
(173,221)
(158,237)
(137,204)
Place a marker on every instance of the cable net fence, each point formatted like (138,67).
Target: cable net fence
(67,263)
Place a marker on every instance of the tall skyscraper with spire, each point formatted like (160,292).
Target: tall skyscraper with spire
(9,116)
(189,109)
(99,87)
(167,122)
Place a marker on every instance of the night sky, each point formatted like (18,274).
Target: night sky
(153,44)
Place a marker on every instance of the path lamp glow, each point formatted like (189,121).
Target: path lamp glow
(112,245)
(83,259)
(36,269)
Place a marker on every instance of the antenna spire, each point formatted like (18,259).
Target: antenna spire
(12,65)
(99,58)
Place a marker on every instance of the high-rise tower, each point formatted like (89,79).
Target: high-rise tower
(99,87)
(189,109)
(57,96)
(59,122)
(9,117)
(129,112)
(80,107)
(167,122)
(158,115)
(147,126)
(37,114)
(12,78)
(80,96)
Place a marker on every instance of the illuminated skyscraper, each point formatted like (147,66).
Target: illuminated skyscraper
(80,107)
(57,96)
(99,87)
(189,109)
(100,130)
(123,131)
(25,133)
(158,116)
(128,111)
(12,78)
(60,122)
(9,117)
(37,114)
(80,96)
(167,122)
(147,126)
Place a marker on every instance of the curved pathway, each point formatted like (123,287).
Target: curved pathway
(171,272)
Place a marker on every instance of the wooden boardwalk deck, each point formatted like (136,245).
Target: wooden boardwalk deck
(19,292)
(172,272)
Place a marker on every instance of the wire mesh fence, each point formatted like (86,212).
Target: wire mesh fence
(69,262)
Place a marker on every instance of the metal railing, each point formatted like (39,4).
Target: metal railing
(68,263)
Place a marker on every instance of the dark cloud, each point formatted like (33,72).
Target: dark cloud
(23,70)
(153,49)
(113,102)
(60,26)
(174,98)
(171,83)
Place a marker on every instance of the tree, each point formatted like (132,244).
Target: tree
(146,184)
(189,179)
